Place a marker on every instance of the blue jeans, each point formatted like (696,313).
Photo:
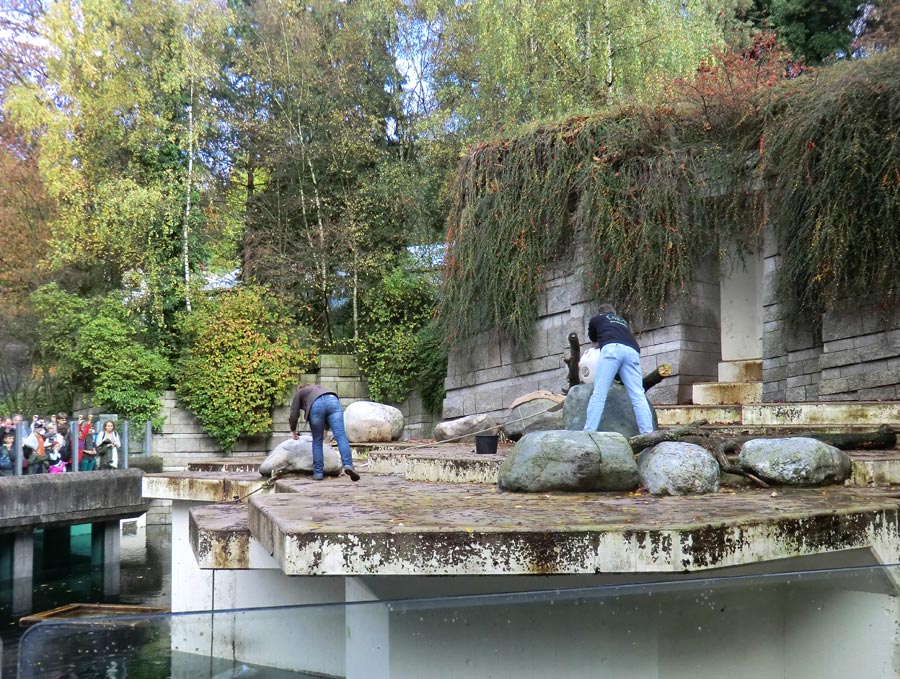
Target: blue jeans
(622,359)
(326,411)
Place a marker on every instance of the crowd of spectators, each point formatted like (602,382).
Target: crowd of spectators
(47,444)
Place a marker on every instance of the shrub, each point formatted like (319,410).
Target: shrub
(396,354)
(240,358)
(91,344)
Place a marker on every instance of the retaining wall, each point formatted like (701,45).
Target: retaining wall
(488,373)
(182,438)
(854,354)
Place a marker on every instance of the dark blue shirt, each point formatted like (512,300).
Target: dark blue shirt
(611,329)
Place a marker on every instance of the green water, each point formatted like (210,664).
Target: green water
(63,579)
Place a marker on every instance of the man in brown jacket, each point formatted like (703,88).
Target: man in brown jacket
(322,409)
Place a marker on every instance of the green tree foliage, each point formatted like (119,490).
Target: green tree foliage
(111,111)
(241,357)
(94,346)
(814,29)
(494,65)
(395,353)
(331,186)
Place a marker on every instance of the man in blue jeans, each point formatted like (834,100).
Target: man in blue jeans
(619,353)
(322,409)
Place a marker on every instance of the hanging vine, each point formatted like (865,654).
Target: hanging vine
(651,192)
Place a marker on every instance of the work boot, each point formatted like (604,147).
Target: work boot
(351,472)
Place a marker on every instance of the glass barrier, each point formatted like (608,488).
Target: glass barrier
(800,625)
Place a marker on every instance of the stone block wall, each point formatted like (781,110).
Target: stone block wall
(489,373)
(790,354)
(183,439)
(860,357)
(854,356)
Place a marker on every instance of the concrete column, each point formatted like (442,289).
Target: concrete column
(368,651)
(105,552)
(22,572)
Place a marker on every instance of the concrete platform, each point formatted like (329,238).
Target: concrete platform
(54,500)
(385,525)
(202,486)
(440,462)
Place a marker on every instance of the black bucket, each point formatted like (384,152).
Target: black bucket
(486,444)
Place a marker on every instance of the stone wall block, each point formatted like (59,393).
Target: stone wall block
(837,326)
(772,312)
(488,401)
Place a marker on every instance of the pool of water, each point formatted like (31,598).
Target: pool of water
(145,579)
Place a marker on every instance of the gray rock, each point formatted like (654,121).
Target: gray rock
(618,415)
(465,428)
(296,456)
(569,460)
(535,418)
(677,468)
(795,461)
(370,422)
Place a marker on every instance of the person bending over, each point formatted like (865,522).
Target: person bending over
(322,409)
(619,353)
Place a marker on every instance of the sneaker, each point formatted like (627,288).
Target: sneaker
(318,477)
(351,472)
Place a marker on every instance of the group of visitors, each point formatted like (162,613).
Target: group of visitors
(47,444)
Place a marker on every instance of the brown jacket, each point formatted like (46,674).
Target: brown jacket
(303,400)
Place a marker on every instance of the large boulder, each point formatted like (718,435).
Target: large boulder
(678,468)
(369,422)
(465,428)
(296,456)
(795,461)
(618,415)
(569,460)
(530,413)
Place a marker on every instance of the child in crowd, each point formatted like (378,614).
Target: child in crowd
(6,454)
(107,445)
(56,464)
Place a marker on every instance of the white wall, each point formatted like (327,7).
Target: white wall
(741,309)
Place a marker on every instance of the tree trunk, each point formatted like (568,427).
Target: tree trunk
(657,376)
(641,441)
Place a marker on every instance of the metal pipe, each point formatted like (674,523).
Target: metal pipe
(17,447)
(126,429)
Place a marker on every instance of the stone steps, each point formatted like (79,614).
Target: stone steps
(855,413)
(724,393)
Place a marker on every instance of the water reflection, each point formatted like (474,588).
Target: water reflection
(64,579)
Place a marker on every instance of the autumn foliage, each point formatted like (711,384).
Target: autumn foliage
(25,211)
(242,357)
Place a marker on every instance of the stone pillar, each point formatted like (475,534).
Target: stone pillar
(368,649)
(105,552)
(22,572)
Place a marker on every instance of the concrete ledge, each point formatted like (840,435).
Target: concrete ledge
(241,465)
(46,500)
(387,526)
(855,413)
(202,486)
(860,412)
(672,416)
(220,536)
